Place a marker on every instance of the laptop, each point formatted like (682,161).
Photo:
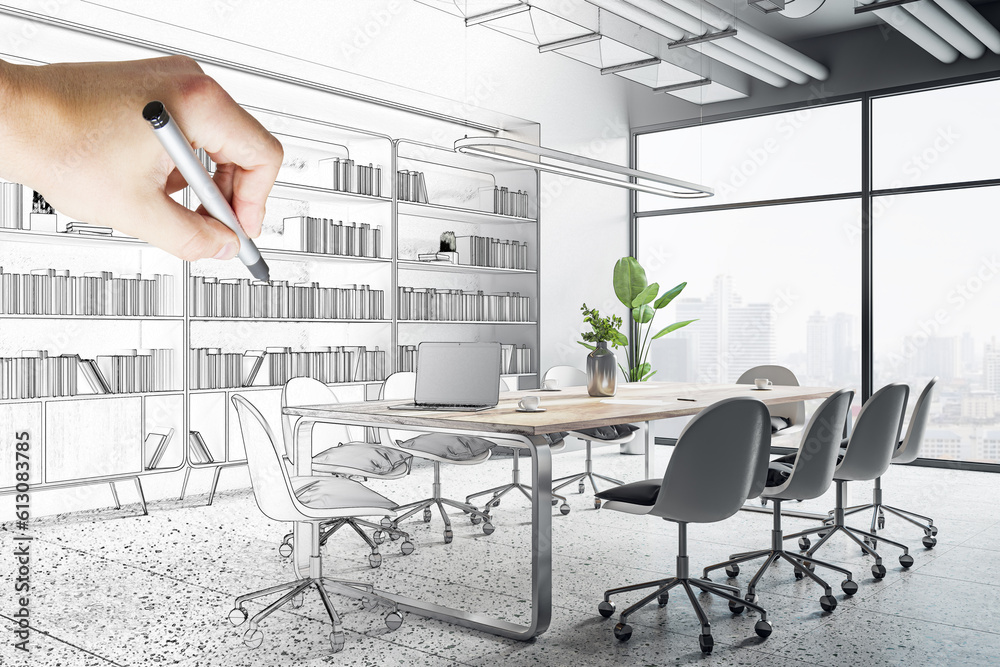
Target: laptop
(456,377)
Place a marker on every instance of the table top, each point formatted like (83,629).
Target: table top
(568,409)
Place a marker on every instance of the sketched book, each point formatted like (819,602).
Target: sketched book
(199,450)
(155,447)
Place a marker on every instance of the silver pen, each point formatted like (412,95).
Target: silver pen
(193,171)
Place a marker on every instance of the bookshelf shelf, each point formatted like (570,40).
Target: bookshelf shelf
(325,195)
(285,319)
(90,397)
(477,322)
(458,214)
(144,318)
(28,236)
(276,253)
(412,265)
(333,385)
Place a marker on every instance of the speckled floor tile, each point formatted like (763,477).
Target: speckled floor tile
(966,564)
(46,650)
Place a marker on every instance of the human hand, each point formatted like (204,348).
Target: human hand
(75,133)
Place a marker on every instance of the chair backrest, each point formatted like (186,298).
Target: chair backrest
(813,471)
(910,448)
(875,435)
(271,487)
(310,391)
(566,376)
(719,457)
(795,413)
(401,385)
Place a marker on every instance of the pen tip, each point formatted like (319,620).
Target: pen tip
(260,270)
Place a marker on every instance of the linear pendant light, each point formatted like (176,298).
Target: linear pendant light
(578,166)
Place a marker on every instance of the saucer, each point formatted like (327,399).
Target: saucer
(761,388)
(548,389)
(535,410)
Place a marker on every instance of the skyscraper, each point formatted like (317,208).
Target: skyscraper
(991,366)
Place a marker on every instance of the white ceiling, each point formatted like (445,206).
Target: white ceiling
(832,16)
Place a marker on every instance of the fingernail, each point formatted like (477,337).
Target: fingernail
(228,252)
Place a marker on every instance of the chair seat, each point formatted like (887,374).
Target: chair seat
(362,458)
(448,446)
(779,424)
(642,493)
(615,432)
(337,493)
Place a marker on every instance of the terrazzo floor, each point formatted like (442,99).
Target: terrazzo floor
(119,588)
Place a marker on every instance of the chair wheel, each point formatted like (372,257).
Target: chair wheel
(448,536)
(821,534)
(297,601)
(878,571)
(799,574)
(706,643)
(606,608)
(763,629)
(378,537)
(253,638)
(828,603)
(881,522)
(406,548)
(337,641)
(733,571)
(804,544)
(375,559)
(285,549)
(367,603)
(597,503)
(488,528)
(929,541)
(750,597)
(735,607)
(906,560)
(623,632)
(873,544)
(238,616)
(580,488)
(427,515)
(564,509)
(393,620)
(933,530)
(555,501)
(495,502)
(849,586)
(394,535)
(662,599)
(386,522)
(475,519)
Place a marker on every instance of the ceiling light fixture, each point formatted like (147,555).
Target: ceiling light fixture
(767,6)
(577,166)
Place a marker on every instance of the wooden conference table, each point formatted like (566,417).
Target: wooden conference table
(570,409)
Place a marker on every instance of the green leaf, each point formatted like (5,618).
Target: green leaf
(620,338)
(669,296)
(629,280)
(643,313)
(673,327)
(643,371)
(649,376)
(646,295)
(589,347)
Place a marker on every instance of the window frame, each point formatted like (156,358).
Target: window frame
(867,195)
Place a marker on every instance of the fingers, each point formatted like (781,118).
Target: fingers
(237,142)
(187,234)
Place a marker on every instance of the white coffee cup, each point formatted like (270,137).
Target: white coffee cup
(529,403)
(762,383)
(549,384)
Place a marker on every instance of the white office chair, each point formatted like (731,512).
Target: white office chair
(311,500)
(869,451)
(809,477)
(907,452)
(347,455)
(719,461)
(438,448)
(567,376)
(557,443)
(787,418)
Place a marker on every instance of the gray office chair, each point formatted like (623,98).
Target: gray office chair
(310,500)
(869,451)
(567,376)
(556,443)
(907,452)
(347,455)
(719,461)
(809,477)
(788,418)
(438,448)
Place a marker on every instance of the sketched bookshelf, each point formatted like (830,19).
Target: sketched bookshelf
(354,208)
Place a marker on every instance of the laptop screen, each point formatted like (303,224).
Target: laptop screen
(458,374)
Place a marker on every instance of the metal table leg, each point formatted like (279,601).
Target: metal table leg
(650,463)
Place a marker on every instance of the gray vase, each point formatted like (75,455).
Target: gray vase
(602,371)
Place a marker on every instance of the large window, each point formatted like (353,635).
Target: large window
(781,282)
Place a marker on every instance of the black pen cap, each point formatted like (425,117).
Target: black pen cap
(156,114)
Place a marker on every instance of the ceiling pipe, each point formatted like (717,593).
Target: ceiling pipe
(721,19)
(673,33)
(917,32)
(696,26)
(948,28)
(973,21)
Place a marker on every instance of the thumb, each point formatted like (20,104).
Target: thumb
(188,234)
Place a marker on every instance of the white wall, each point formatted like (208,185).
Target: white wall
(584,227)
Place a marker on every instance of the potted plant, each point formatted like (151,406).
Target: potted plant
(602,375)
